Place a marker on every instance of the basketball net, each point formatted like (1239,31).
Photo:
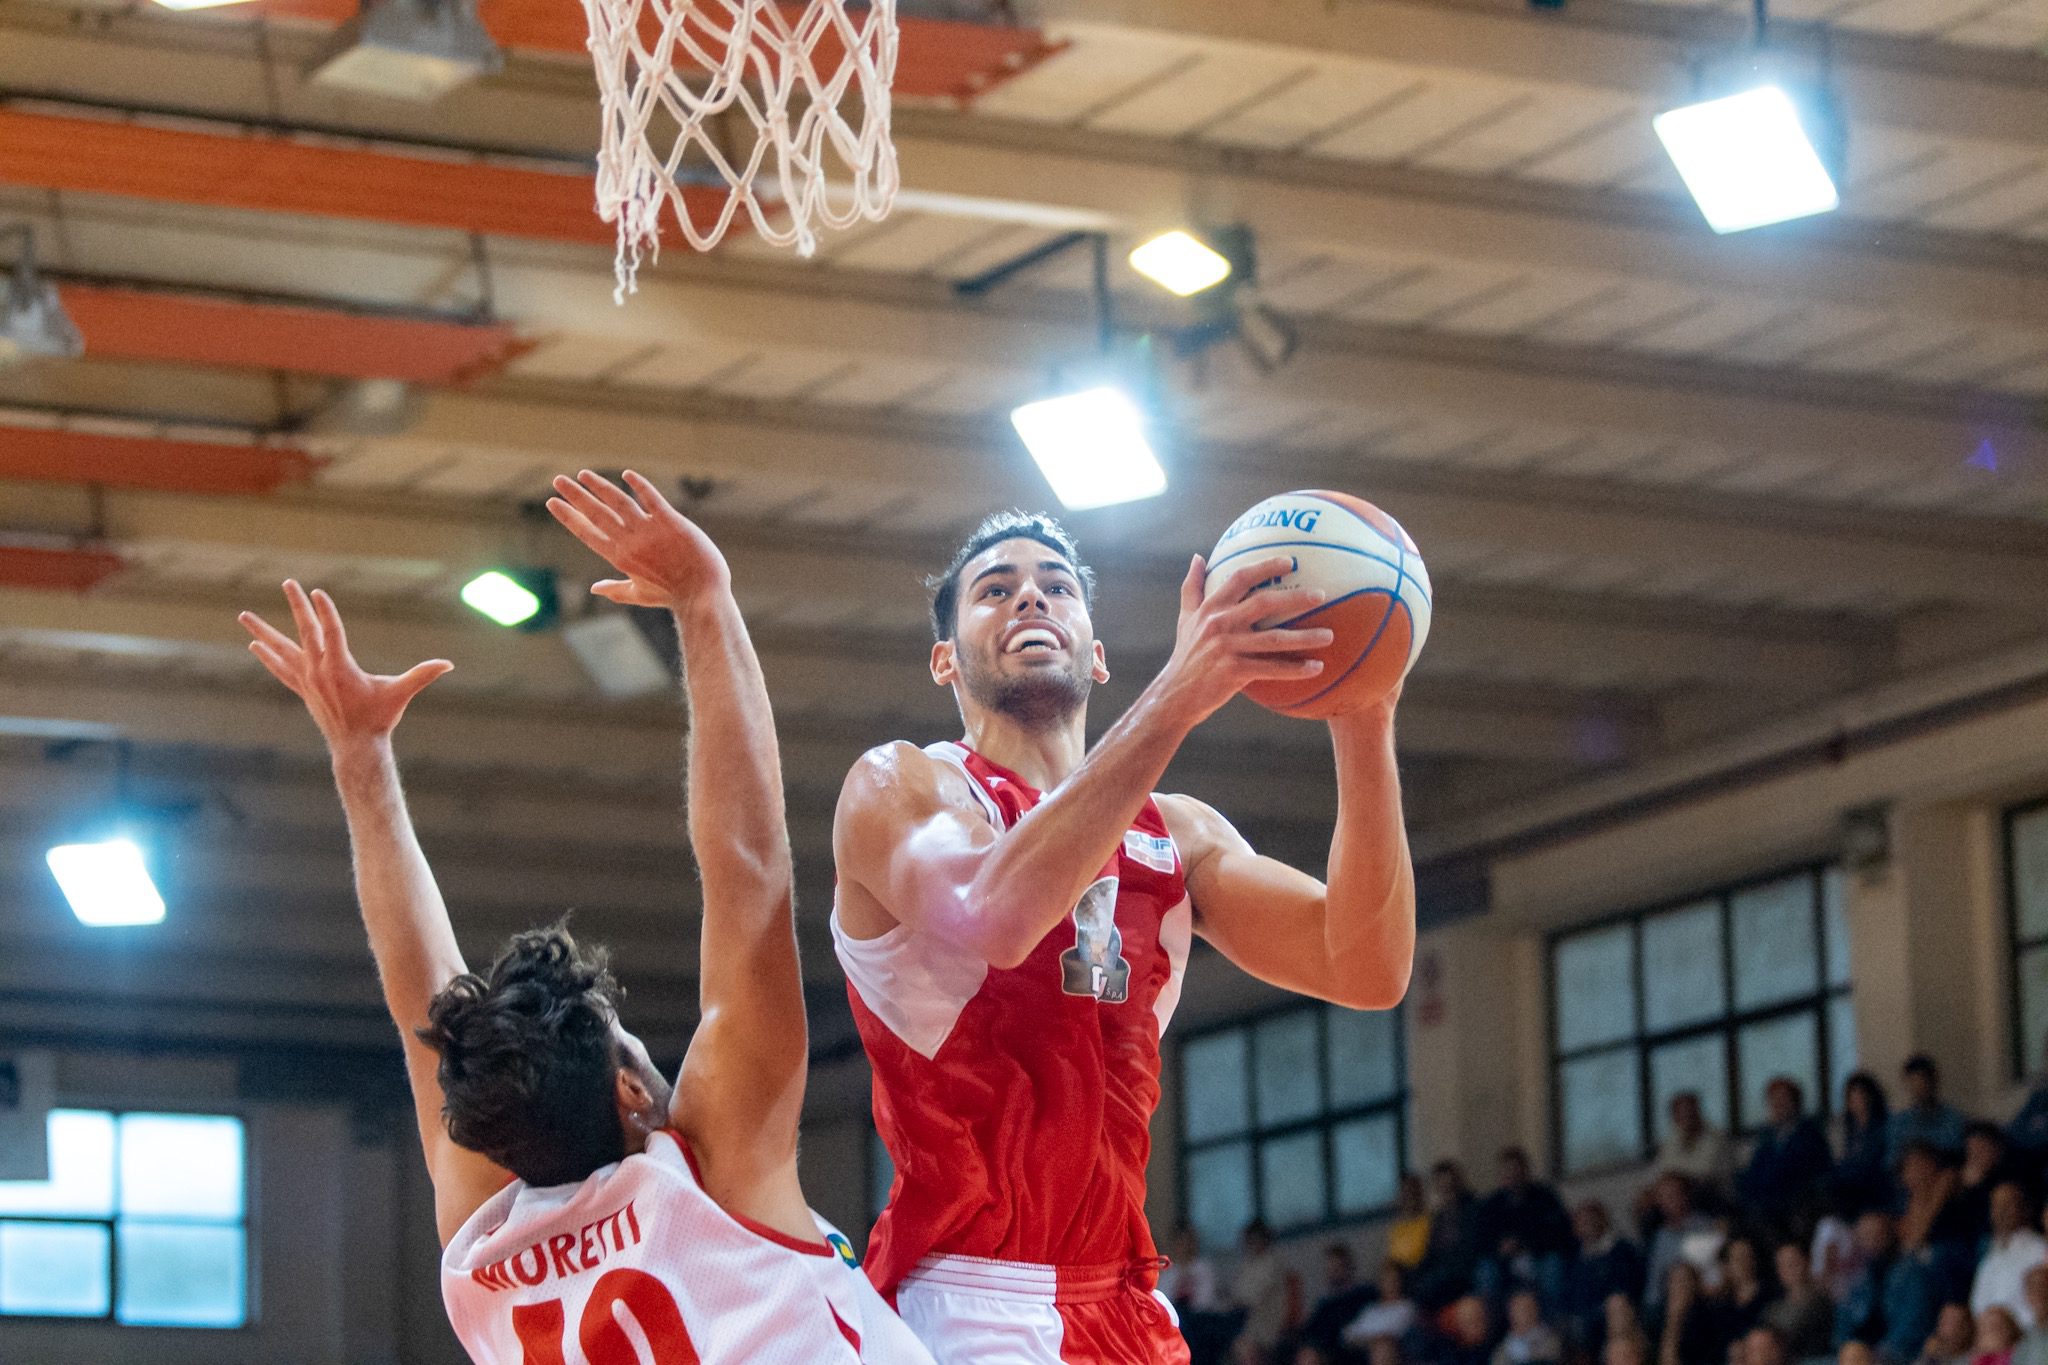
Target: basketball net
(800,71)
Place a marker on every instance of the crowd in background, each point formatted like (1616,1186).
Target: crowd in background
(1915,1237)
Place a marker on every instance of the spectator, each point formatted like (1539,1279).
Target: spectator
(1804,1315)
(1950,1343)
(2014,1250)
(1344,1296)
(1997,1336)
(1469,1330)
(1408,1234)
(1189,1281)
(1607,1265)
(1626,1350)
(1765,1345)
(1530,1340)
(1863,1177)
(2033,1347)
(1688,1329)
(1838,1257)
(1694,1148)
(1933,1228)
(1924,1118)
(1393,1318)
(1524,1235)
(1789,1162)
(2028,1130)
(1452,1258)
(1987,1164)
(1685,1234)
(1745,1293)
(1892,1306)
(1262,1288)
(1622,1320)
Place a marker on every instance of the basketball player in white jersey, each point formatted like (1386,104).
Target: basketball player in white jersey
(1014,915)
(591,1214)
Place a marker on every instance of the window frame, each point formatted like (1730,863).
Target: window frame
(1324,1122)
(2021,1056)
(1728,1022)
(113,1220)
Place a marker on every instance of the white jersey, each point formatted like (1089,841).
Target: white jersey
(637,1265)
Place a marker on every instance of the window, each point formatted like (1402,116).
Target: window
(1298,1118)
(142,1220)
(2026,882)
(1717,995)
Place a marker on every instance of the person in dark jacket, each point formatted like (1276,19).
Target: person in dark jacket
(1893,1303)
(1863,1177)
(1782,1181)
(1452,1260)
(1606,1265)
(1524,1235)
(2028,1131)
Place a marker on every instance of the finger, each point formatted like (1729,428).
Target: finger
(281,667)
(609,493)
(650,497)
(310,637)
(414,680)
(330,622)
(269,634)
(586,502)
(1242,580)
(1285,670)
(1277,605)
(579,525)
(1286,641)
(616,590)
(1192,585)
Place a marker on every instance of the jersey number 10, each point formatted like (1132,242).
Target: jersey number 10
(541,1326)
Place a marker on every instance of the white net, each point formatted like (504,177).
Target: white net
(812,77)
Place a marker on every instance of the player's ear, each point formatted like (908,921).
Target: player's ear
(631,1092)
(1100,670)
(945,664)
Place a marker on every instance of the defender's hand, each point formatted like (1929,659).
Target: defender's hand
(1219,648)
(347,703)
(667,560)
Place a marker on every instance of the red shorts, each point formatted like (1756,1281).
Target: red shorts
(971,1311)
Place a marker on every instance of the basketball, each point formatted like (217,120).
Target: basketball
(1378,595)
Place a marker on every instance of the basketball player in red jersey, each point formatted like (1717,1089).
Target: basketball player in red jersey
(591,1214)
(1014,915)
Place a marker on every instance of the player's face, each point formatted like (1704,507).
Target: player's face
(1022,644)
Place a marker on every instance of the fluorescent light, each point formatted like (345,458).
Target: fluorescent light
(1091,447)
(1747,159)
(106,883)
(1181,262)
(182,5)
(501,597)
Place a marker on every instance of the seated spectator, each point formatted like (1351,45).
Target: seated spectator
(1264,1289)
(1525,1235)
(1694,1148)
(1893,1304)
(1953,1337)
(1189,1281)
(1452,1258)
(1933,1228)
(1530,1340)
(1838,1257)
(2033,1347)
(2013,1251)
(1764,1345)
(1863,1177)
(1688,1328)
(1987,1164)
(1790,1161)
(1342,1297)
(1924,1118)
(1606,1265)
(1997,1336)
(1468,1330)
(1804,1315)
(1684,1234)
(1393,1316)
(1408,1233)
(2028,1131)
(1745,1293)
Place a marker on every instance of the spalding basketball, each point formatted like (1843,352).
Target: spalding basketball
(1378,595)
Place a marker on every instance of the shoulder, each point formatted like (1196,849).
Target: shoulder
(1198,828)
(899,774)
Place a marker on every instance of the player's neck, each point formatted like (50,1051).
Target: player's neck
(1043,756)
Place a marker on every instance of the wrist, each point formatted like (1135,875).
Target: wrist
(1166,705)
(359,753)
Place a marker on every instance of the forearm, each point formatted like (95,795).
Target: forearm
(1369,923)
(406,920)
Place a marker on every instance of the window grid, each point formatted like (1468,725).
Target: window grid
(2020,944)
(111,1225)
(1256,1135)
(1728,1023)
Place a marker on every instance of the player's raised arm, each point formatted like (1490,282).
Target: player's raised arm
(952,876)
(742,1082)
(407,921)
(1352,941)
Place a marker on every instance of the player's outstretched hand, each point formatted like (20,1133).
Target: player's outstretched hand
(1219,648)
(668,561)
(347,703)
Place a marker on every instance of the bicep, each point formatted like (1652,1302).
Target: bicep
(1263,915)
(913,840)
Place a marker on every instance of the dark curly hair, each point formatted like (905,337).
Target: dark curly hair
(528,1059)
(994,530)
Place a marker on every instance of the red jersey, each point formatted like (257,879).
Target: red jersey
(1017,1103)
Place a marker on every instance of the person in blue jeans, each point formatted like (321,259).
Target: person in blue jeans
(1525,1238)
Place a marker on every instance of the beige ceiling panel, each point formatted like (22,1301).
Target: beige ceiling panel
(384,465)
(2003,205)
(1992,351)
(1795,334)
(1963,170)
(993,245)
(688,365)
(580,358)
(1914,18)
(1603,157)
(879,380)
(1538,301)
(1618,316)
(1905,342)
(2021,24)
(1552,119)
(1101,67)
(1725,322)
(1449,108)
(975,392)
(1212,86)
(474,476)
(1435,295)
(1337,95)
(911,242)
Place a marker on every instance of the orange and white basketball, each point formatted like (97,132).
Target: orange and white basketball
(1378,594)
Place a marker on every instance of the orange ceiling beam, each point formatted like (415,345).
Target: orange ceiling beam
(41,454)
(250,169)
(935,58)
(35,566)
(142,324)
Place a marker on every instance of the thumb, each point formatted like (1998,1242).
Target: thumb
(1192,586)
(414,680)
(616,590)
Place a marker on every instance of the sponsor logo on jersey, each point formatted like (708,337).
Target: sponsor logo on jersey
(1153,850)
(1095,965)
(1302,519)
(845,1249)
